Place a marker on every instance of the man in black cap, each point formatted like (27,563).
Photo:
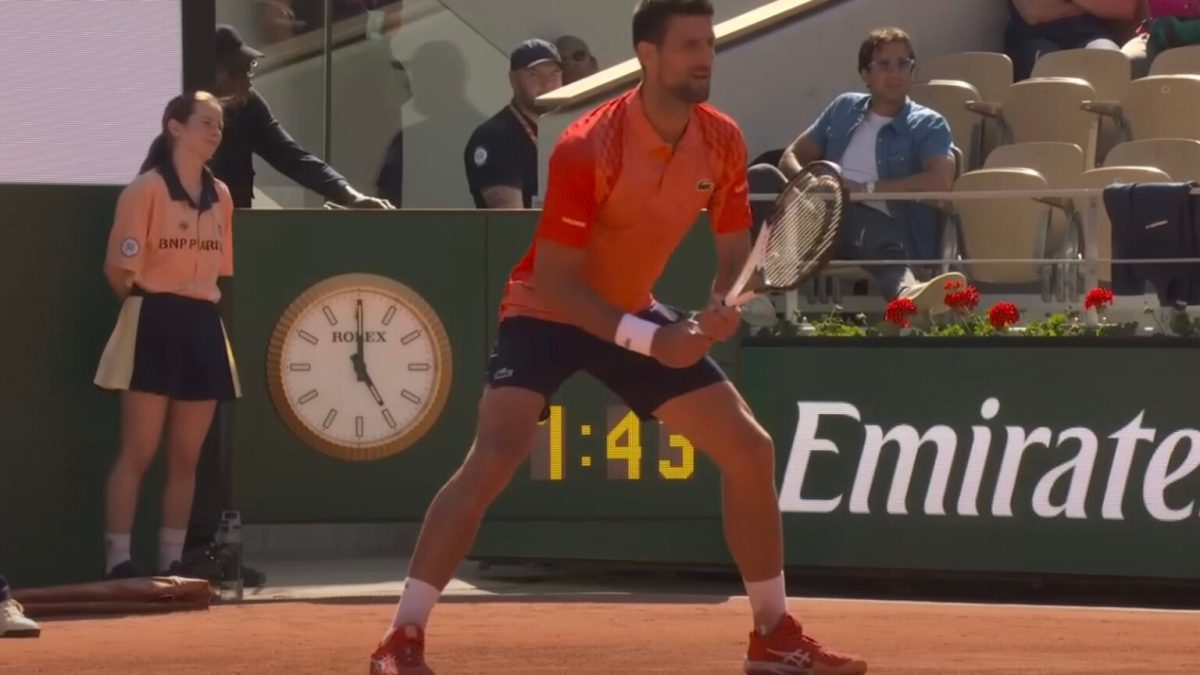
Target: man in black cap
(501,156)
(251,128)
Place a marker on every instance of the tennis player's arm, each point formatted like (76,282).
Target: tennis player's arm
(558,279)
(562,238)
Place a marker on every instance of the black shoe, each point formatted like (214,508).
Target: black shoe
(125,570)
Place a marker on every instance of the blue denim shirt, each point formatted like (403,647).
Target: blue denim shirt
(915,136)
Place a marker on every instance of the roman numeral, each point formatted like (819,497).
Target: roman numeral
(309,337)
(410,337)
(387,417)
(300,367)
(309,396)
(418,367)
(329,418)
(358,426)
(409,396)
(391,314)
(329,315)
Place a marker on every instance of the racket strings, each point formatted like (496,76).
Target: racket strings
(803,231)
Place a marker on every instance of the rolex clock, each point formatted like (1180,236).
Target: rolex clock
(359,367)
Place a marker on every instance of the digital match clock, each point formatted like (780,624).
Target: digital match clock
(624,455)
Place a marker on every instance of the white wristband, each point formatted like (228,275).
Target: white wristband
(636,335)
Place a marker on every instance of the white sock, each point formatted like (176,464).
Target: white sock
(768,601)
(416,604)
(170,547)
(116,549)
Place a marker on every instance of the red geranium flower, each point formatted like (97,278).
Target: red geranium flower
(966,299)
(1098,298)
(1003,314)
(899,310)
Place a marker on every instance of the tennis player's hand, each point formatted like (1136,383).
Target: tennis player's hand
(720,323)
(680,345)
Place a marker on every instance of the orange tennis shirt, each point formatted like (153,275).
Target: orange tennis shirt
(621,193)
(171,244)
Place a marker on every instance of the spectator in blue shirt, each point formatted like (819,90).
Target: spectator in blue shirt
(884,142)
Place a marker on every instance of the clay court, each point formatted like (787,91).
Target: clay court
(602,637)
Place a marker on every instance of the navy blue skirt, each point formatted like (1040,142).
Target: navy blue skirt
(169,345)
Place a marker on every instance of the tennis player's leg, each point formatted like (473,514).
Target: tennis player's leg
(720,424)
(529,363)
(700,403)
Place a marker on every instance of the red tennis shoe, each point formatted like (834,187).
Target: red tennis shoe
(402,652)
(788,651)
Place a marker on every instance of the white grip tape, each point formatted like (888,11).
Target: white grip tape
(635,334)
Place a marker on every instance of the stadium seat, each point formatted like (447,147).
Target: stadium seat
(1047,109)
(1102,178)
(991,73)
(1003,228)
(1178,157)
(1177,61)
(950,98)
(1106,70)
(1159,106)
(1059,163)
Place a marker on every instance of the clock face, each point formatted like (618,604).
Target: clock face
(359,366)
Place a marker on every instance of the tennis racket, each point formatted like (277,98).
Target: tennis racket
(798,238)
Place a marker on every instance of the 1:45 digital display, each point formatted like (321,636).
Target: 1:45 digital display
(558,449)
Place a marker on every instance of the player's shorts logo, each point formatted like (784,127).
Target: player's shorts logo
(481,156)
(705,185)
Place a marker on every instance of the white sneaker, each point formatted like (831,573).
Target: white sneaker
(14,623)
(930,297)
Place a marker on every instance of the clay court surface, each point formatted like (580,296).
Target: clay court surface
(611,637)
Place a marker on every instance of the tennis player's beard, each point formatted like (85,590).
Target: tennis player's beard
(692,92)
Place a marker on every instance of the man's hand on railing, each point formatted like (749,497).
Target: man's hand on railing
(353,199)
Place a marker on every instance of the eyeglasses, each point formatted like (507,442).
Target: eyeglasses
(891,65)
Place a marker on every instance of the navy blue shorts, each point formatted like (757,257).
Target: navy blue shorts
(540,355)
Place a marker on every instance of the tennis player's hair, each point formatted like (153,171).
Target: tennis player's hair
(878,38)
(650,17)
(179,109)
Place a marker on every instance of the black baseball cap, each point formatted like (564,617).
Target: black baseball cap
(532,52)
(229,42)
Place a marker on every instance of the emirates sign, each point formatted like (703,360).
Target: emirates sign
(1094,461)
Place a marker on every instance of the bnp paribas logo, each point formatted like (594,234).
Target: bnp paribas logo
(1093,462)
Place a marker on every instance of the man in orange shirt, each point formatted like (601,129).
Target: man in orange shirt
(626,183)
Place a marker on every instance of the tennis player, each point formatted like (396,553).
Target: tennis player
(168,355)
(626,183)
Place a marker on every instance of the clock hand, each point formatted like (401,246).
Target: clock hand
(374,391)
(359,358)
